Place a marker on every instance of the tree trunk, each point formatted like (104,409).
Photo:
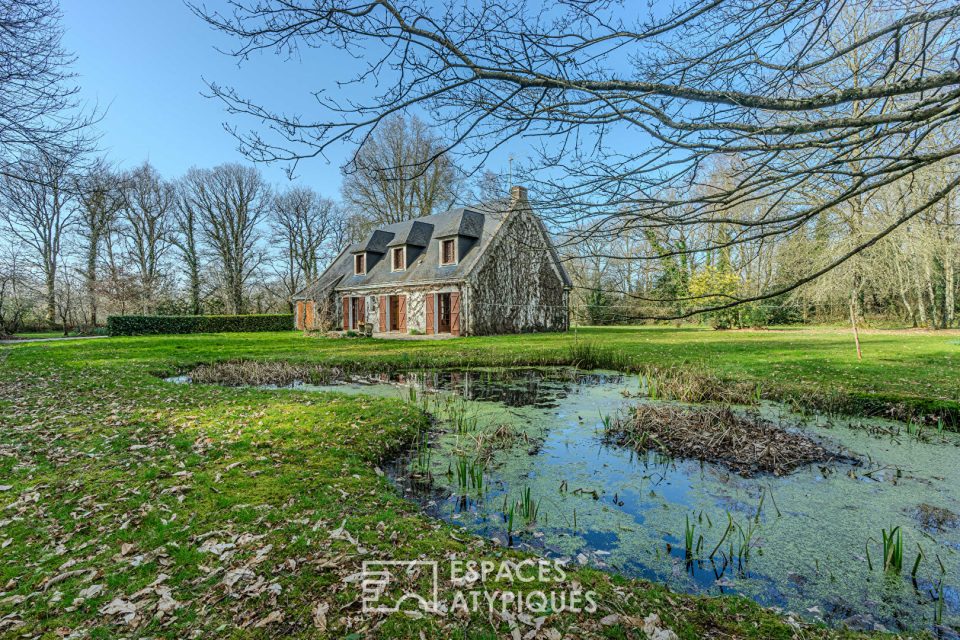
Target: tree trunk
(928,272)
(91,280)
(194,290)
(949,311)
(51,315)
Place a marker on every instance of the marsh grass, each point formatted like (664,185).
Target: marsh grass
(236,373)
(696,386)
(742,442)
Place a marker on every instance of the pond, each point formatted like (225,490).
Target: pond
(518,455)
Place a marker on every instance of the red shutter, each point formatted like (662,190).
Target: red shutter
(361,312)
(402,324)
(455,313)
(346,313)
(309,315)
(430,312)
(384,301)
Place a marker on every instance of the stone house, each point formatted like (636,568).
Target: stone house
(478,270)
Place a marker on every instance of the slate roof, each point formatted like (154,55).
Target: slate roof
(477,225)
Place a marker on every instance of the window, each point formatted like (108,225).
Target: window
(399,258)
(359,264)
(448,252)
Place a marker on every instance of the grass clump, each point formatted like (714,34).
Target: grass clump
(696,386)
(237,373)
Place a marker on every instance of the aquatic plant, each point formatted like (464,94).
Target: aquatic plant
(528,507)
(893,550)
(470,474)
(606,421)
(422,457)
(916,563)
(457,413)
(688,538)
(726,532)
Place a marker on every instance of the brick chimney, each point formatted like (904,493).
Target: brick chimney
(518,194)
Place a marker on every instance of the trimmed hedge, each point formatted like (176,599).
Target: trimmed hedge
(153,325)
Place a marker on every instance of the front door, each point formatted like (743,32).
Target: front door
(443,313)
(394,314)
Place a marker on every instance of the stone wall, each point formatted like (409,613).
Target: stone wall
(416,303)
(517,287)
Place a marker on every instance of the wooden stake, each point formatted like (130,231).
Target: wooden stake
(856,334)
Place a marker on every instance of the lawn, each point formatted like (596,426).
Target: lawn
(133,506)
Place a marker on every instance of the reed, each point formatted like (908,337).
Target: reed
(892,550)
(528,507)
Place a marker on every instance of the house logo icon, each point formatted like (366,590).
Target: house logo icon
(389,586)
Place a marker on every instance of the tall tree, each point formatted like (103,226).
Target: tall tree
(186,239)
(303,225)
(230,201)
(38,211)
(400,172)
(100,191)
(147,216)
(624,107)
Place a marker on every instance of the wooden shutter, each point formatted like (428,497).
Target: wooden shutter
(402,321)
(384,301)
(455,313)
(430,297)
(346,313)
(297,316)
(361,312)
(309,315)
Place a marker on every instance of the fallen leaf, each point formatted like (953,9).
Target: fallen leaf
(320,615)
(273,616)
(92,591)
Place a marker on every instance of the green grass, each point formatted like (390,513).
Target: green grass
(118,479)
(38,334)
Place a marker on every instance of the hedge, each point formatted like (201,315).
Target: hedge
(152,325)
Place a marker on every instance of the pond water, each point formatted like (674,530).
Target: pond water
(803,543)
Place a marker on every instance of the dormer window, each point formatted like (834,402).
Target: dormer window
(448,252)
(359,264)
(399,258)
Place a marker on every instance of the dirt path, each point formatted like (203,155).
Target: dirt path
(26,340)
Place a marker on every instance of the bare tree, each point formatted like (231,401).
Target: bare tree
(400,172)
(66,300)
(147,209)
(186,239)
(230,201)
(14,296)
(38,211)
(101,196)
(302,223)
(39,110)
(625,111)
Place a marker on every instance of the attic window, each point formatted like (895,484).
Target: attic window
(399,258)
(359,264)
(448,252)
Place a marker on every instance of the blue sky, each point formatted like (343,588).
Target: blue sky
(145,62)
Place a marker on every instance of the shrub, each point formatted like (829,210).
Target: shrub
(153,325)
